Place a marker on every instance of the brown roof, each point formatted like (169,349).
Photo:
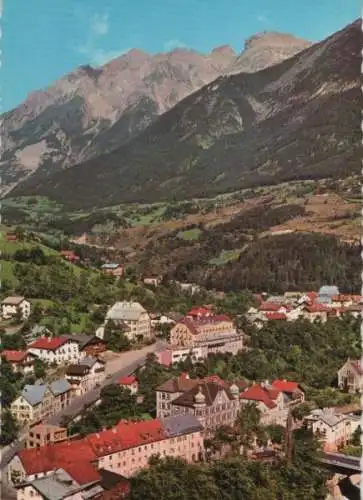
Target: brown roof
(77,370)
(13,301)
(179,384)
(208,389)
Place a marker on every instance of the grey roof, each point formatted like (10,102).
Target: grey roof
(327,415)
(34,393)
(90,361)
(56,486)
(13,300)
(127,311)
(110,265)
(181,424)
(329,290)
(59,386)
(82,339)
(40,329)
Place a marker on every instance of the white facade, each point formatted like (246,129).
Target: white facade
(133,315)
(11,306)
(68,352)
(333,429)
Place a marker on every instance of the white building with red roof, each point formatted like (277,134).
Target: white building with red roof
(131,383)
(21,361)
(273,399)
(58,350)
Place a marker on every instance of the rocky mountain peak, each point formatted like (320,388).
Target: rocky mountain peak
(273,38)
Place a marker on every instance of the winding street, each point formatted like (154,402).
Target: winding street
(125,364)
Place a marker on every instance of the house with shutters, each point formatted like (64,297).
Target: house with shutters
(39,401)
(133,320)
(333,429)
(350,376)
(20,361)
(15,305)
(56,350)
(125,449)
(130,382)
(206,332)
(85,375)
(273,399)
(211,400)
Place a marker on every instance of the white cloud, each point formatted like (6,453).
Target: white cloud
(99,24)
(174,44)
(262,19)
(98,28)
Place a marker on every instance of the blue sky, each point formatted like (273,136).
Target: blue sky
(44,39)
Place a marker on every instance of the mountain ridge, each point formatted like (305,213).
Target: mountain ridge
(295,120)
(102,99)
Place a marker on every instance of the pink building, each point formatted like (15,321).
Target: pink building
(124,450)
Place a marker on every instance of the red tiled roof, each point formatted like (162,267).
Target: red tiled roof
(127,380)
(273,306)
(49,343)
(56,456)
(285,386)
(14,356)
(194,323)
(261,394)
(275,315)
(200,311)
(125,436)
(83,472)
(312,295)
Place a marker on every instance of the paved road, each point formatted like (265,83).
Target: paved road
(123,365)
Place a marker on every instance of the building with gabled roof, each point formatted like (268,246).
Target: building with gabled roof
(180,395)
(58,350)
(350,376)
(124,450)
(273,399)
(85,375)
(131,315)
(40,401)
(130,382)
(15,305)
(201,329)
(61,485)
(113,269)
(332,428)
(20,361)
(43,434)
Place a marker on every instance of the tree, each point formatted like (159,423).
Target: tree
(39,368)
(9,428)
(115,337)
(249,427)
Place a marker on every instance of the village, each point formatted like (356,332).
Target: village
(189,410)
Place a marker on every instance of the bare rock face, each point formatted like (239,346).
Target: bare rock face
(266,49)
(299,119)
(93,110)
